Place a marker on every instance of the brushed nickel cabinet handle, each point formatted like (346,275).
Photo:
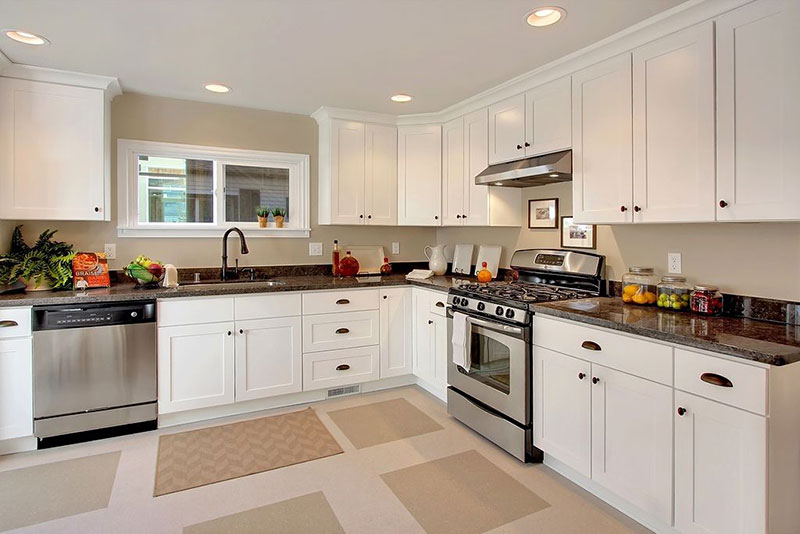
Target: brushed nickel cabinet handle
(590,345)
(8,324)
(343,301)
(343,367)
(716,380)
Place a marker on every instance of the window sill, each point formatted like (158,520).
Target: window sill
(249,231)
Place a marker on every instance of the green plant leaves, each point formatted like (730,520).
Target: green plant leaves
(47,260)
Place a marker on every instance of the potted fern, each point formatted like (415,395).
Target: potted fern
(262,212)
(45,265)
(278,214)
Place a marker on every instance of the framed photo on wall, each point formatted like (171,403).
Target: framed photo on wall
(577,235)
(543,213)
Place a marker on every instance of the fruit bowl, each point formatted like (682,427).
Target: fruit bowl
(146,273)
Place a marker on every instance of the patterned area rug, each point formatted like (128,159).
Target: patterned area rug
(199,457)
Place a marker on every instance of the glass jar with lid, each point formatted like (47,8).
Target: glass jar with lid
(706,300)
(674,293)
(639,286)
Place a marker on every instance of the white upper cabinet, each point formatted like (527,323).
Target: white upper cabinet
(673,120)
(54,151)
(453,173)
(358,173)
(548,127)
(507,130)
(602,142)
(758,112)
(419,175)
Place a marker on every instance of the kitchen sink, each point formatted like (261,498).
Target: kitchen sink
(234,283)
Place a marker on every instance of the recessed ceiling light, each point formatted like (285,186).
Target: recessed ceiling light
(217,88)
(545,16)
(401,98)
(26,37)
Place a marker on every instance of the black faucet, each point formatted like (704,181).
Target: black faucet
(225,250)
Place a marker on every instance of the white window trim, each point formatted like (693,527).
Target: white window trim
(128,151)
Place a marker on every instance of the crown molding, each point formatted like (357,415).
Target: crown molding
(4,62)
(42,74)
(326,113)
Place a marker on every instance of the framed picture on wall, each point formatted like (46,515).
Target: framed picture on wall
(577,235)
(543,213)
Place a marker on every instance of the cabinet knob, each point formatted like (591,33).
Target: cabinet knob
(681,411)
(623,209)
(595,380)
(463,216)
(458,216)
(722,204)
(230,333)
(436,217)
(361,216)
(369,216)
(581,376)
(637,209)
(430,322)
(241,330)
(519,147)
(527,144)
(385,297)
(96,209)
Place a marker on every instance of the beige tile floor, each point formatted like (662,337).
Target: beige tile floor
(351,482)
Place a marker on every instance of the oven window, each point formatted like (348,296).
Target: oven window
(491,361)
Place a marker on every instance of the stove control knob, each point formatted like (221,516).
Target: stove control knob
(456,300)
(510,313)
(481,306)
(464,302)
(499,311)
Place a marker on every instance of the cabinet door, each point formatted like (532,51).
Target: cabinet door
(419,175)
(16,388)
(269,357)
(632,440)
(396,332)
(562,422)
(476,159)
(453,172)
(720,468)
(381,175)
(52,151)
(438,349)
(602,142)
(507,130)
(347,172)
(758,112)
(548,125)
(673,117)
(195,366)
(423,332)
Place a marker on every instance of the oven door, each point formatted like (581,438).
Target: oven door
(499,369)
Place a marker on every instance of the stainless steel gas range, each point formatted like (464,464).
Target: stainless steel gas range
(490,388)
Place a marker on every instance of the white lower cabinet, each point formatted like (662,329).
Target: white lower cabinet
(16,387)
(336,368)
(720,468)
(269,357)
(430,341)
(396,339)
(195,366)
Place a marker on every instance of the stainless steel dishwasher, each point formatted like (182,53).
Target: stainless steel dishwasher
(94,369)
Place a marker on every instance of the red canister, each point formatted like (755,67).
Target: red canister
(706,300)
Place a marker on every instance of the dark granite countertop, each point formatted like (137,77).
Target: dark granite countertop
(120,292)
(760,341)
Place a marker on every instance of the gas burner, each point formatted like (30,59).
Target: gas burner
(523,291)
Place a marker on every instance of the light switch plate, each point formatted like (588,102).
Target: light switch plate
(395,248)
(674,262)
(111,251)
(315,249)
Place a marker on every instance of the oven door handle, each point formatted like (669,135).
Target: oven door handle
(498,327)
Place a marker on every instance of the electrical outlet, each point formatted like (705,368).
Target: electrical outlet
(674,262)
(395,248)
(315,249)
(111,251)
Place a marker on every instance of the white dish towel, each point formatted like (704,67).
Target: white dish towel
(462,332)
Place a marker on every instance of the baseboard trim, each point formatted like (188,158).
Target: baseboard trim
(15,445)
(433,389)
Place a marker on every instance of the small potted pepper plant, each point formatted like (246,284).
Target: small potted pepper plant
(263,216)
(278,214)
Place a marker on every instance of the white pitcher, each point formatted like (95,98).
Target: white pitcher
(436,260)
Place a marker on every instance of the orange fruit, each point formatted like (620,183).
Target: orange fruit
(640,299)
(630,289)
(651,297)
(626,298)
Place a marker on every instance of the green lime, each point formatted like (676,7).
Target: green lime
(676,306)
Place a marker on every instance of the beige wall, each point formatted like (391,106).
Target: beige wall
(150,118)
(759,259)
(6,227)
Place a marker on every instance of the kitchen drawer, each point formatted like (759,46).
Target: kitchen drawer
(174,312)
(340,331)
(438,302)
(340,301)
(340,367)
(267,306)
(635,356)
(736,384)
(15,322)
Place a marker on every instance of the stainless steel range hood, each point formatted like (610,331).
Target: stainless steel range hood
(541,170)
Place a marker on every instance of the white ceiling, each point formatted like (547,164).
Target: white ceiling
(297,55)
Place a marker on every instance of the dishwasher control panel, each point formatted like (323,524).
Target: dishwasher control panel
(102,314)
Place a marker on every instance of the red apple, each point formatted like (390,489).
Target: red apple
(156,270)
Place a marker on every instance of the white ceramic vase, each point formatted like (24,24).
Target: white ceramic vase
(436,260)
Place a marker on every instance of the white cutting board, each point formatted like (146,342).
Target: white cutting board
(462,259)
(370,257)
(491,255)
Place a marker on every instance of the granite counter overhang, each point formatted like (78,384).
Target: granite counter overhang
(759,341)
(128,292)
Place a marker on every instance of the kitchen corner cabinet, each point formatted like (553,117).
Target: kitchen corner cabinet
(419,175)
(396,332)
(430,340)
(54,151)
(464,156)
(758,112)
(358,173)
